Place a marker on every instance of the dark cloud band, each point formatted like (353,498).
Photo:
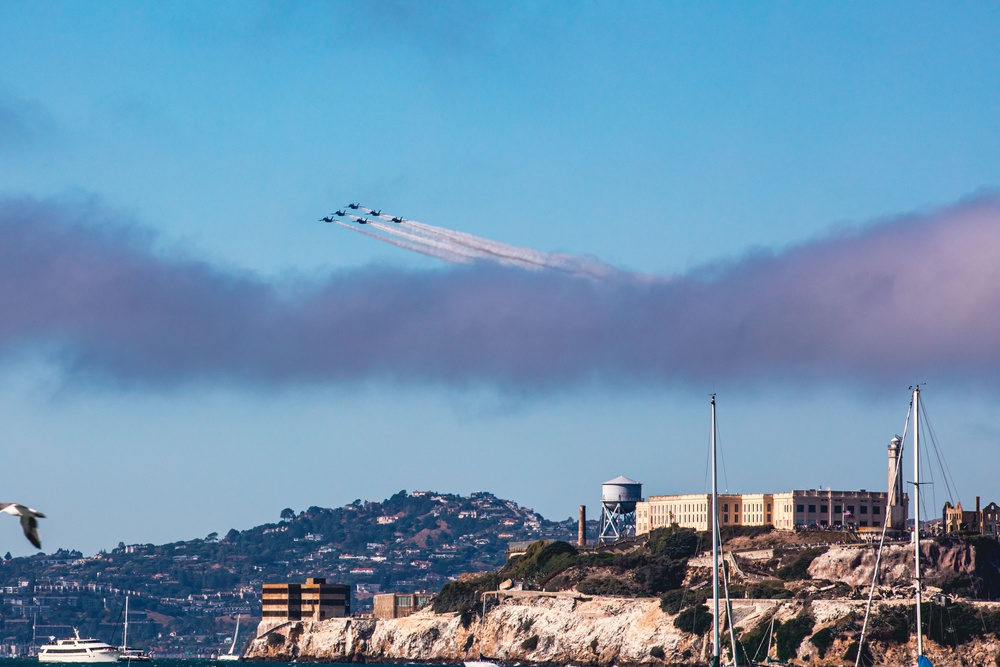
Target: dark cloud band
(890,302)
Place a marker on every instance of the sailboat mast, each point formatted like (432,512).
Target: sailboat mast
(716,649)
(236,635)
(916,512)
(125,630)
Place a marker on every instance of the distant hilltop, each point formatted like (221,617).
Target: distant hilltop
(194,588)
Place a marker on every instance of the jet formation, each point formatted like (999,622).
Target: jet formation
(458,247)
(342,213)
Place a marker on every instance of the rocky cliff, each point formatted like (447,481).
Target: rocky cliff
(568,628)
(539,629)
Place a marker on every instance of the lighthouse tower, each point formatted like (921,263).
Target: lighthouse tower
(897,501)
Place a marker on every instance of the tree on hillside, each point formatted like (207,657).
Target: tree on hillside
(287,514)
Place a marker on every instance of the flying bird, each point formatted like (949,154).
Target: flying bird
(29,520)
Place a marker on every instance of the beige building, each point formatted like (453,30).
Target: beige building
(792,510)
(398,605)
(985,521)
(689,511)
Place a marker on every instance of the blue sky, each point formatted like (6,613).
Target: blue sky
(715,149)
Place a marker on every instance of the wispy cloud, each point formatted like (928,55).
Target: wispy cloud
(23,123)
(916,297)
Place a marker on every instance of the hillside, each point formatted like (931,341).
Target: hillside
(184,595)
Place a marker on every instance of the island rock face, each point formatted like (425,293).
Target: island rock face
(540,629)
(533,628)
(569,628)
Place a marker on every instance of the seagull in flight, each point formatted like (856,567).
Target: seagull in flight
(29,520)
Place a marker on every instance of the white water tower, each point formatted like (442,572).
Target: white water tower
(618,499)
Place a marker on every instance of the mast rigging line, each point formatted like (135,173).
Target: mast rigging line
(885,527)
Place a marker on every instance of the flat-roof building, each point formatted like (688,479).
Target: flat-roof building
(791,510)
(398,605)
(314,600)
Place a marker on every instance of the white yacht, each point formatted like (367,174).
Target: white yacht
(76,649)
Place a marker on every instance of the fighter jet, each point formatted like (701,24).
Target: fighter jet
(354,206)
(340,213)
(328,218)
(377,213)
(363,221)
(396,220)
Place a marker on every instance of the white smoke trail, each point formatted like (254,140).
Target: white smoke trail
(425,240)
(488,246)
(448,256)
(483,248)
(450,246)
(527,256)
(442,242)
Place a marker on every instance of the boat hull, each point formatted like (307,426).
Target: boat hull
(88,656)
(78,650)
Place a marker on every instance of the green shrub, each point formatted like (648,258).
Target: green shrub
(603,586)
(672,601)
(696,620)
(464,595)
(798,567)
(822,640)
(657,652)
(788,636)
(892,625)
(952,626)
(851,654)
(754,640)
(275,640)
(541,560)
(660,574)
(673,542)
(768,589)
(530,644)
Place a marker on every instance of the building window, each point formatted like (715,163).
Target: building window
(836,509)
(876,509)
(864,524)
(812,508)
(736,508)
(725,508)
(864,509)
(800,508)
(725,519)
(769,507)
(822,522)
(823,509)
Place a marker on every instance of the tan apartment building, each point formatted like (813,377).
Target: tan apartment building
(399,605)
(821,508)
(314,600)
(689,511)
(792,510)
